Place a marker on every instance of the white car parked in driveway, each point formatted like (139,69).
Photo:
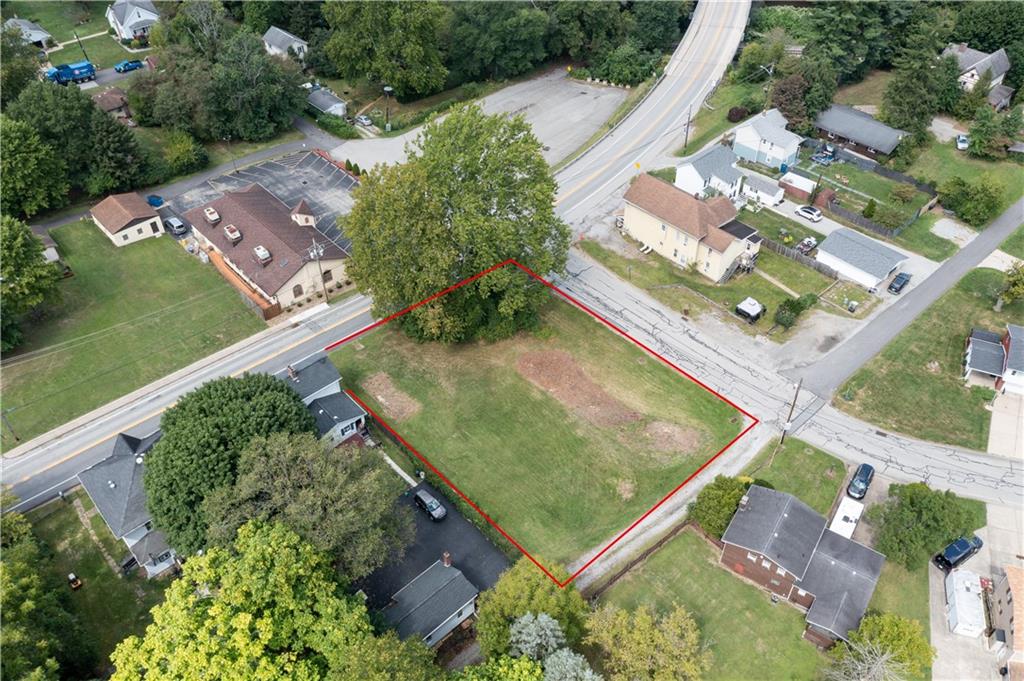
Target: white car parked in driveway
(809,213)
(962,142)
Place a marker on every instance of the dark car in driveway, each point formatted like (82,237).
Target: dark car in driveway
(128,65)
(858,486)
(957,553)
(898,283)
(426,502)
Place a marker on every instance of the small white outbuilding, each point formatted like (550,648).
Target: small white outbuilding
(965,607)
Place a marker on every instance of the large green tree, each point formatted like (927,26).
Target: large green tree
(989,26)
(62,117)
(987,140)
(716,503)
(911,99)
(475,191)
(849,34)
(496,39)
(266,608)
(203,437)
(26,279)
(34,176)
(502,668)
(917,521)
(19,64)
(904,639)
(656,24)
(820,75)
(341,500)
(522,589)
(586,30)
(392,43)
(640,645)
(117,162)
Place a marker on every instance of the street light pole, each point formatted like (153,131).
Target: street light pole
(387,107)
(792,408)
(689,117)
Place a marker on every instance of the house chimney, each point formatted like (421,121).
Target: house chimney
(446,559)
(291,373)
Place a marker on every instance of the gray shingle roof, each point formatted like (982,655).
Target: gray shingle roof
(986,356)
(998,63)
(334,409)
(862,252)
(771,126)
(859,127)
(310,375)
(122,10)
(31,32)
(1015,357)
(761,184)
(842,576)
(149,547)
(778,526)
(324,100)
(718,161)
(282,39)
(115,484)
(422,605)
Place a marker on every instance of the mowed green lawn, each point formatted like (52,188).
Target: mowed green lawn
(129,316)
(109,607)
(103,51)
(941,161)
(802,470)
(563,435)
(749,637)
(709,123)
(868,91)
(61,18)
(1014,245)
(914,385)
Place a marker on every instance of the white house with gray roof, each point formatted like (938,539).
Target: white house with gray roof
(280,43)
(325,101)
(31,32)
(318,384)
(859,258)
(857,130)
(115,486)
(782,544)
(975,63)
(712,170)
(996,359)
(764,139)
(132,18)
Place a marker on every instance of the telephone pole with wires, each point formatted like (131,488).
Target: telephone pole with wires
(315,252)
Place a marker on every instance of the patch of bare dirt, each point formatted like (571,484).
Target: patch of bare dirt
(558,374)
(398,406)
(671,437)
(626,489)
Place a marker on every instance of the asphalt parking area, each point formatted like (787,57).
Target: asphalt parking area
(300,175)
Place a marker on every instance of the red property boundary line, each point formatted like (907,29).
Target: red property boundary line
(610,325)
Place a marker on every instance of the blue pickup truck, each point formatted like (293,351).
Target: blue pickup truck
(128,65)
(79,72)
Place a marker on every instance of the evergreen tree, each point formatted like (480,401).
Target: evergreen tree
(535,636)
(819,73)
(117,161)
(986,135)
(850,35)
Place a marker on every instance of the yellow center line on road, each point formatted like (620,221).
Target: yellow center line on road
(665,112)
(151,414)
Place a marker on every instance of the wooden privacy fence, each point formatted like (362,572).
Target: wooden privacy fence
(793,254)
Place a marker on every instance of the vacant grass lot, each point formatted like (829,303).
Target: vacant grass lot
(103,51)
(710,122)
(109,606)
(61,18)
(941,161)
(913,386)
(802,470)
(749,637)
(563,436)
(129,316)
(867,92)
(1014,245)
(219,153)
(918,237)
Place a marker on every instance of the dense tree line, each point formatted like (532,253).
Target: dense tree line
(26,279)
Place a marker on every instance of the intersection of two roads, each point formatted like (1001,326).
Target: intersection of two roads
(38,470)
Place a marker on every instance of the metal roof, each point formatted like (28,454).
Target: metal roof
(862,252)
(859,127)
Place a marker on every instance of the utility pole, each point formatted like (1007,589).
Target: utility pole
(770,70)
(792,408)
(81,45)
(387,107)
(689,117)
(316,251)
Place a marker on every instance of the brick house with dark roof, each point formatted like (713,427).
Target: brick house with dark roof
(269,245)
(687,230)
(126,218)
(996,360)
(780,543)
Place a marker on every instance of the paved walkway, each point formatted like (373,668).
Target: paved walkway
(74,41)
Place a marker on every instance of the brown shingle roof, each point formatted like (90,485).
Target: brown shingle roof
(119,211)
(264,221)
(111,100)
(677,208)
(302,208)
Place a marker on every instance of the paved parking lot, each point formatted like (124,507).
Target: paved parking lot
(300,175)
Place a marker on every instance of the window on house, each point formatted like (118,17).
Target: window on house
(663,227)
(780,570)
(675,252)
(139,230)
(156,230)
(166,555)
(766,564)
(124,237)
(801,592)
(328,276)
(297,290)
(458,614)
(751,557)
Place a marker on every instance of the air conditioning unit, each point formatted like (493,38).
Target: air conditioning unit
(262,255)
(211,214)
(233,234)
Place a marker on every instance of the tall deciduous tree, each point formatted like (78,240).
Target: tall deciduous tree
(502,668)
(267,608)
(19,64)
(565,665)
(865,662)
(496,39)
(788,96)
(850,34)
(340,500)
(656,24)
(34,176)
(1014,284)
(117,161)
(26,279)
(535,636)
(904,639)
(392,43)
(522,589)
(585,30)
(62,117)
(475,191)
(640,645)
(203,437)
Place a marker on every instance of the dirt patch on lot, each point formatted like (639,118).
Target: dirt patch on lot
(398,406)
(671,437)
(626,489)
(558,374)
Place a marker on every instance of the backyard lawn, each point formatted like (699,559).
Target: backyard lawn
(941,161)
(749,637)
(710,122)
(914,385)
(779,228)
(127,317)
(219,153)
(563,435)
(801,470)
(61,18)
(110,607)
(103,51)
(867,92)
(918,237)
(1014,245)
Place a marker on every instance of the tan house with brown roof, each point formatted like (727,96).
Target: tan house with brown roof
(269,245)
(686,230)
(126,218)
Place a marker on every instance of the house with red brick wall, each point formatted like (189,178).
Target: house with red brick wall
(783,545)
